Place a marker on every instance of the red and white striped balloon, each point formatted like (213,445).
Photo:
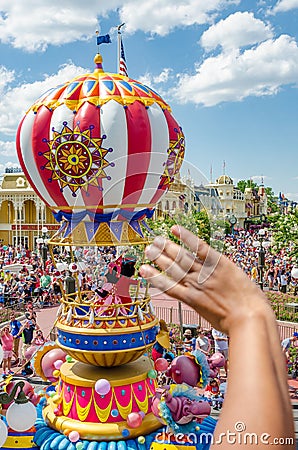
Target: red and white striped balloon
(100,144)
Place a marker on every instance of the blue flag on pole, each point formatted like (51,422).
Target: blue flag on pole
(105,39)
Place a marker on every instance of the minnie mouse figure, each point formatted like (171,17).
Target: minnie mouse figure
(116,289)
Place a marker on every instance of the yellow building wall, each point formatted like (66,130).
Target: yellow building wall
(30,212)
(49,217)
(6,212)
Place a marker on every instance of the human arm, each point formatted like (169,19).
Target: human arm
(219,291)
(21,330)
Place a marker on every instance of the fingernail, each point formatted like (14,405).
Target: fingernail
(152,252)
(159,241)
(143,271)
(147,249)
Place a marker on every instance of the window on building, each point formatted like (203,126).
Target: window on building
(21,240)
(42,215)
(21,214)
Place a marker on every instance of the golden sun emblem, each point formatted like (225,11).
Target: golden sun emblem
(76,159)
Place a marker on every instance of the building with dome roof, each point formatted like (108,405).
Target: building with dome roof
(232,200)
(224,179)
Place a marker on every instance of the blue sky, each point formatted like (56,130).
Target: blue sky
(228,68)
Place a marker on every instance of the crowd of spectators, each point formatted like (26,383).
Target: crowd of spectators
(28,281)
(36,279)
(243,248)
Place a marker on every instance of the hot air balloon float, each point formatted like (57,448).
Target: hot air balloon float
(101,150)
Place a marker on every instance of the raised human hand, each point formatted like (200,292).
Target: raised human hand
(204,279)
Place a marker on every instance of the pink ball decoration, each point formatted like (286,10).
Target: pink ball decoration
(102,386)
(161,365)
(57,412)
(134,420)
(58,364)
(48,361)
(74,436)
(30,352)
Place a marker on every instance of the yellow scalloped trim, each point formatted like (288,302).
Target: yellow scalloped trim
(143,406)
(83,411)
(66,406)
(102,414)
(124,410)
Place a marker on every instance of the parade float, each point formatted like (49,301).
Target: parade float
(101,150)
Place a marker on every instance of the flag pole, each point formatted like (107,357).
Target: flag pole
(119,44)
(97,34)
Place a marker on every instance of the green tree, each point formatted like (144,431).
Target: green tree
(271,200)
(285,233)
(243,184)
(196,221)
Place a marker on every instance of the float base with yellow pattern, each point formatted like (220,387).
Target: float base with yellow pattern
(78,406)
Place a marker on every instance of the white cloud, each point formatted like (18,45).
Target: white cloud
(233,76)
(30,25)
(8,164)
(162,16)
(163,77)
(285,5)
(7,148)
(237,30)
(14,102)
(6,77)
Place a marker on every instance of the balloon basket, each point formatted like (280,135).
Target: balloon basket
(114,233)
(106,335)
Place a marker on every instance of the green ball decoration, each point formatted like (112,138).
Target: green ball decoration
(152,373)
(141,440)
(79,446)
(69,359)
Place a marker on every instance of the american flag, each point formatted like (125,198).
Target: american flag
(122,61)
